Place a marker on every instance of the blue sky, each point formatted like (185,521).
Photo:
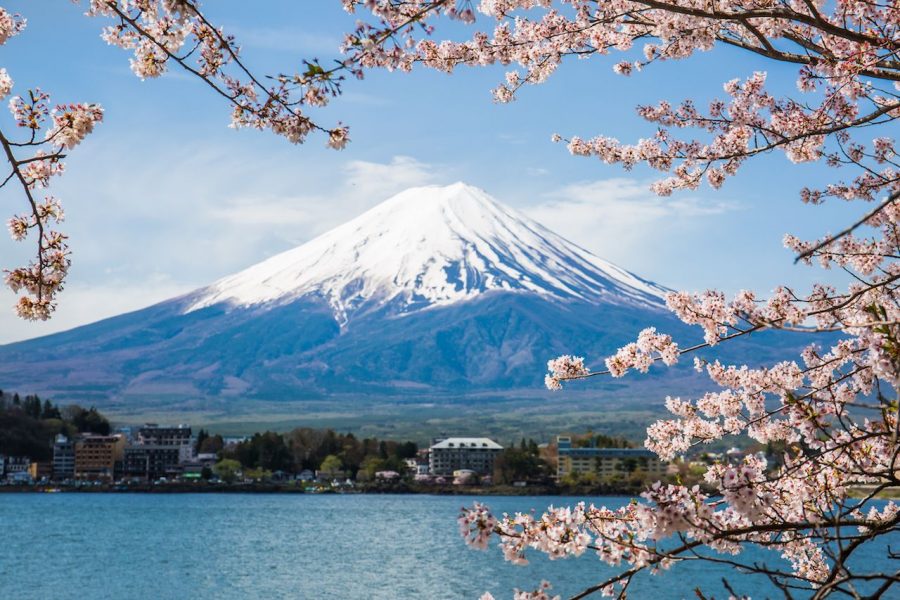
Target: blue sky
(164,197)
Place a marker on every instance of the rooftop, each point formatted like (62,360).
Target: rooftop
(465,442)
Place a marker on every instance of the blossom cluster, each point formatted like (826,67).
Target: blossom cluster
(72,123)
(476,525)
(541,593)
(639,355)
(10,25)
(563,368)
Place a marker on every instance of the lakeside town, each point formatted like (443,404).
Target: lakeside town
(48,448)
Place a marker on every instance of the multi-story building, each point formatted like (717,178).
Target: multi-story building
(96,456)
(13,466)
(454,454)
(605,462)
(151,461)
(63,458)
(172,436)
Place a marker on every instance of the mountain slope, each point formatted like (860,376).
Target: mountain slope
(435,292)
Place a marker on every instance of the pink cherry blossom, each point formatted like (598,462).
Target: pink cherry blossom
(6,84)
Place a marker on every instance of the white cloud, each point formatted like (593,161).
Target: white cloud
(632,200)
(382,180)
(621,220)
(512,138)
(204,213)
(81,303)
(253,212)
(288,40)
(363,185)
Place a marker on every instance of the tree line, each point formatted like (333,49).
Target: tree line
(28,424)
(306,448)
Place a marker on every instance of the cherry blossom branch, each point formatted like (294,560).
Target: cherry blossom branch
(890,200)
(675,553)
(40,287)
(776,13)
(157,34)
(64,127)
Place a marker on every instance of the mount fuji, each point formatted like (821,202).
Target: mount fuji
(425,248)
(436,291)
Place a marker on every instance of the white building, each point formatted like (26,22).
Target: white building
(453,454)
(173,436)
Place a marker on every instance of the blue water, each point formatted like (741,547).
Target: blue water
(223,546)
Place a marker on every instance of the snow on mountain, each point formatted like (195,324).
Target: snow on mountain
(426,247)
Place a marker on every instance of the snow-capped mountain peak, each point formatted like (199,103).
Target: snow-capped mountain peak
(430,246)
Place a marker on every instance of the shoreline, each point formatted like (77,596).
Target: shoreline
(509,491)
(397,489)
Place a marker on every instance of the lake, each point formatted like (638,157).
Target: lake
(223,546)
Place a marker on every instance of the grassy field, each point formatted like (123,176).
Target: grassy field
(504,419)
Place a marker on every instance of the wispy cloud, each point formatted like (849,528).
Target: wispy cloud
(512,138)
(204,213)
(288,39)
(361,185)
(82,303)
(372,178)
(630,199)
(254,212)
(622,220)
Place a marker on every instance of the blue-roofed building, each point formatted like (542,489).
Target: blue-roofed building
(605,462)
